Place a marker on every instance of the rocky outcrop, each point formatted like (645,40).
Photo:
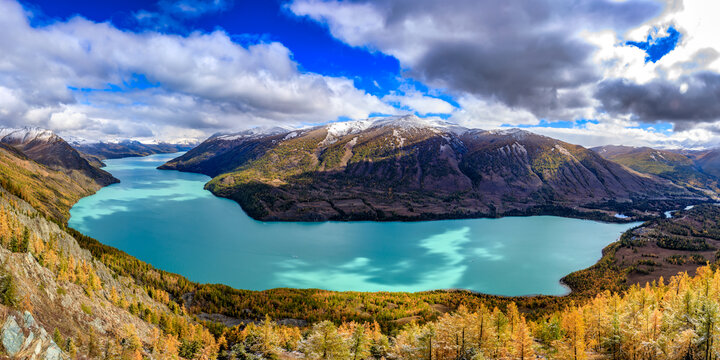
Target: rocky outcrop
(24,338)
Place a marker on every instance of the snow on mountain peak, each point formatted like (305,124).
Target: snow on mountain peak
(403,123)
(251,133)
(25,134)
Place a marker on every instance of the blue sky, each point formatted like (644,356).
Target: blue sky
(312,46)
(658,46)
(596,72)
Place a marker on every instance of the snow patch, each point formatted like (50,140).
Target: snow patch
(563,151)
(400,124)
(399,138)
(252,133)
(335,131)
(517,134)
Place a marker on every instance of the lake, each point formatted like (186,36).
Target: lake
(167,219)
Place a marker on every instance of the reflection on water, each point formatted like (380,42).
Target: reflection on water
(168,220)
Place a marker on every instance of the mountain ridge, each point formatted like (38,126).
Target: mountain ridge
(677,166)
(127,148)
(408,168)
(49,149)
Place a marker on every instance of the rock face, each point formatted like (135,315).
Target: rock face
(29,341)
(45,147)
(128,148)
(407,168)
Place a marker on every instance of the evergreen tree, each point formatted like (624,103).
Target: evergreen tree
(325,343)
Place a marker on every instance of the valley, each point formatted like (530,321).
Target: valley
(213,311)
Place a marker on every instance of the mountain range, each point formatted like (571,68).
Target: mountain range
(682,167)
(408,168)
(127,148)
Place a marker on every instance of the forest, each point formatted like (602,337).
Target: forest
(674,320)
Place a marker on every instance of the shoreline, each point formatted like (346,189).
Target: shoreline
(569,288)
(581,285)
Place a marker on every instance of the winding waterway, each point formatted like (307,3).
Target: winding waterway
(167,219)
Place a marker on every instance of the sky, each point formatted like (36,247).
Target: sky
(591,72)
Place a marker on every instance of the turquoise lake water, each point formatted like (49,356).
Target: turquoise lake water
(167,219)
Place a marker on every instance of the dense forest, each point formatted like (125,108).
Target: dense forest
(677,320)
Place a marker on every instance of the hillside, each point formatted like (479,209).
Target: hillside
(52,192)
(707,160)
(59,302)
(673,320)
(127,148)
(408,168)
(47,148)
(671,165)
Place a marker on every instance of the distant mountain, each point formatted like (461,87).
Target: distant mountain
(49,149)
(707,160)
(672,165)
(407,168)
(128,148)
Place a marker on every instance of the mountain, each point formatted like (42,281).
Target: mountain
(671,165)
(707,160)
(49,149)
(127,148)
(407,168)
(52,192)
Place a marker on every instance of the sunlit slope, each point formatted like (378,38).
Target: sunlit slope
(670,165)
(49,149)
(51,192)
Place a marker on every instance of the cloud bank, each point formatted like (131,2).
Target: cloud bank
(94,80)
(638,72)
(520,63)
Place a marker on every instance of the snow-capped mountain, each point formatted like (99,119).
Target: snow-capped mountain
(49,149)
(406,167)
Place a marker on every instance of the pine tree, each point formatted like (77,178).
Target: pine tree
(574,327)
(359,343)
(325,343)
(522,341)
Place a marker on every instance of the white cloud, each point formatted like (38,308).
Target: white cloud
(514,63)
(417,102)
(206,82)
(487,114)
